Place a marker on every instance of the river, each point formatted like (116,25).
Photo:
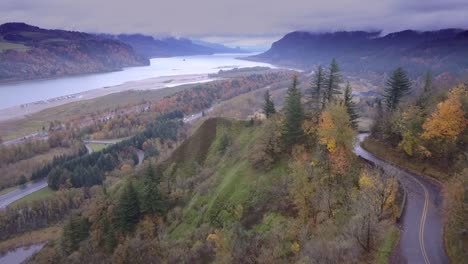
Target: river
(20,254)
(13,94)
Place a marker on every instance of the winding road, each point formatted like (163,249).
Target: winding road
(421,238)
(20,192)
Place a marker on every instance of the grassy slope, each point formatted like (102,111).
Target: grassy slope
(97,147)
(234,187)
(12,46)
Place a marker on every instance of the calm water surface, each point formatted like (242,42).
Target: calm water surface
(31,91)
(20,254)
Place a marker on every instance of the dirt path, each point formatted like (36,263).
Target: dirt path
(422,223)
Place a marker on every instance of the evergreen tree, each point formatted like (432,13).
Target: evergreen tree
(350,106)
(292,129)
(128,209)
(425,96)
(333,81)
(269,105)
(152,199)
(397,86)
(75,230)
(317,88)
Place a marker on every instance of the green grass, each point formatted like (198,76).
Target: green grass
(41,194)
(7,190)
(390,241)
(12,46)
(97,147)
(235,187)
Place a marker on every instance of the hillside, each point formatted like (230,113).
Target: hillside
(359,51)
(29,52)
(169,47)
(220,200)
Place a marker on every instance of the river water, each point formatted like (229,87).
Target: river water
(12,94)
(20,254)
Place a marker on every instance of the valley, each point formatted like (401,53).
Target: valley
(256,132)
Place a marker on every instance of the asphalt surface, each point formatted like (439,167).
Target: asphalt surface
(21,192)
(421,239)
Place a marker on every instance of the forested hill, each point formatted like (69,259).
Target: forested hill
(168,47)
(29,52)
(359,51)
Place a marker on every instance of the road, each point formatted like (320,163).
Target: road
(140,153)
(141,156)
(21,192)
(421,238)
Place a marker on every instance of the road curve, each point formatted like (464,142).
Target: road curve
(421,238)
(21,192)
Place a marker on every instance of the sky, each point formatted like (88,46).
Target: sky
(244,23)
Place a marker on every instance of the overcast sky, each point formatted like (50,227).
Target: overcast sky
(235,22)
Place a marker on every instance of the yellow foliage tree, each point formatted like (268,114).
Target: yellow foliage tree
(448,120)
(326,128)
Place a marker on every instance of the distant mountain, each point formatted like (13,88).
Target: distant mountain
(359,51)
(169,47)
(29,52)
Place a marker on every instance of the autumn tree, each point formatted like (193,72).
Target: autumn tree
(336,133)
(350,106)
(294,116)
(333,81)
(335,128)
(397,86)
(448,121)
(456,193)
(268,105)
(379,189)
(303,188)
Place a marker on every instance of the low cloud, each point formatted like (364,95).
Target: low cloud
(241,22)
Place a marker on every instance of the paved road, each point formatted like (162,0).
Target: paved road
(89,149)
(422,223)
(141,156)
(140,153)
(21,192)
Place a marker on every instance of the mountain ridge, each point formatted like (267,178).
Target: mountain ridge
(361,51)
(28,52)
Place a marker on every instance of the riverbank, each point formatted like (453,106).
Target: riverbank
(22,111)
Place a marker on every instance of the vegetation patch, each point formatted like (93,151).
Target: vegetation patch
(391,238)
(386,152)
(39,195)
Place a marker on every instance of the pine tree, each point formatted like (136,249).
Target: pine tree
(292,129)
(350,106)
(333,81)
(317,88)
(425,96)
(152,199)
(269,105)
(75,230)
(128,209)
(397,86)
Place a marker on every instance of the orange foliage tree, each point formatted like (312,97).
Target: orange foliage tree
(448,121)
